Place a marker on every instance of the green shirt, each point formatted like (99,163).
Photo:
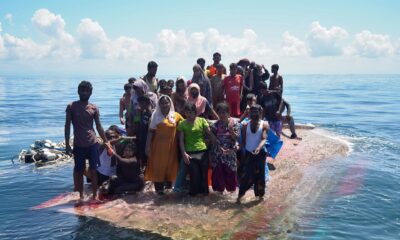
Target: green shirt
(194,134)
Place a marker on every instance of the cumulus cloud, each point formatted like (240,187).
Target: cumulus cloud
(326,42)
(9,18)
(95,43)
(23,48)
(1,27)
(372,45)
(293,46)
(198,43)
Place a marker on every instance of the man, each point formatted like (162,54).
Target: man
(212,69)
(150,78)
(276,80)
(271,102)
(288,119)
(82,114)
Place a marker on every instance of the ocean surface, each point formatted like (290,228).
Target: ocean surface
(358,196)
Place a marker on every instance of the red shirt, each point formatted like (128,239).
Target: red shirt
(233,86)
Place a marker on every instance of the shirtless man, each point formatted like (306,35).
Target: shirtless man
(276,80)
(288,119)
(212,69)
(150,78)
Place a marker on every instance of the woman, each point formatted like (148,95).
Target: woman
(226,131)
(139,89)
(203,82)
(162,145)
(193,147)
(203,106)
(179,97)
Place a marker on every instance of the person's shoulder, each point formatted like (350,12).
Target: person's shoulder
(178,116)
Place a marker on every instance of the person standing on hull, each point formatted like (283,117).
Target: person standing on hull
(162,145)
(260,74)
(150,78)
(202,63)
(82,114)
(124,103)
(193,146)
(216,86)
(276,80)
(271,101)
(252,173)
(212,69)
(204,83)
(203,107)
(233,86)
(180,96)
(248,82)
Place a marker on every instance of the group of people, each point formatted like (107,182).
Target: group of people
(208,131)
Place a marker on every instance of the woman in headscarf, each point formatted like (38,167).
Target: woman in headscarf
(162,145)
(139,88)
(203,106)
(180,96)
(203,82)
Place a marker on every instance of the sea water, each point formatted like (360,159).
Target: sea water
(356,197)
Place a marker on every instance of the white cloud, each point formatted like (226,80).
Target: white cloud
(293,46)
(326,42)
(9,18)
(372,45)
(60,42)
(199,43)
(1,28)
(94,43)
(23,48)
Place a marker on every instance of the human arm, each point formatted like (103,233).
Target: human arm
(121,111)
(265,75)
(245,113)
(67,129)
(100,129)
(125,160)
(185,156)
(263,138)
(149,140)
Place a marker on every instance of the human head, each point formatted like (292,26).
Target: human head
(85,90)
(171,83)
(251,99)
(162,82)
(274,68)
(255,112)
(222,110)
(129,150)
(240,70)
(201,62)
(197,71)
(216,58)
(144,102)
(127,88)
(244,63)
(232,69)
(166,89)
(140,87)
(165,104)
(111,134)
(180,84)
(152,68)
(194,90)
(189,110)
(131,80)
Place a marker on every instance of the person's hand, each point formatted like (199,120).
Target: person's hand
(257,151)
(226,151)
(122,120)
(68,150)
(186,158)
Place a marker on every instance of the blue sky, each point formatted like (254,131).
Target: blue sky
(119,37)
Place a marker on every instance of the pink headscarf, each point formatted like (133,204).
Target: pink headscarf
(200,101)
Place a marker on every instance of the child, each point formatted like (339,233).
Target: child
(276,80)
(193,147)
(253,162)
(251,100)
(142,129)
(232,87)
(82,114)
(129,177)
(226,131)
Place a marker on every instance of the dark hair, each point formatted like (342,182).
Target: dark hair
(233,65)
(222,107)
(256,107)
(144,99)
(276,66)
(189,106)
(262,85)
(217,54)
(244,61)
(114,128)
(85,84)
(201,60)
(152,64)
(131,80)
(130,144)
(250,96)
(127,86)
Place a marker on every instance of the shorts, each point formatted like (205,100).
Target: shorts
(276,126)
(82,153)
